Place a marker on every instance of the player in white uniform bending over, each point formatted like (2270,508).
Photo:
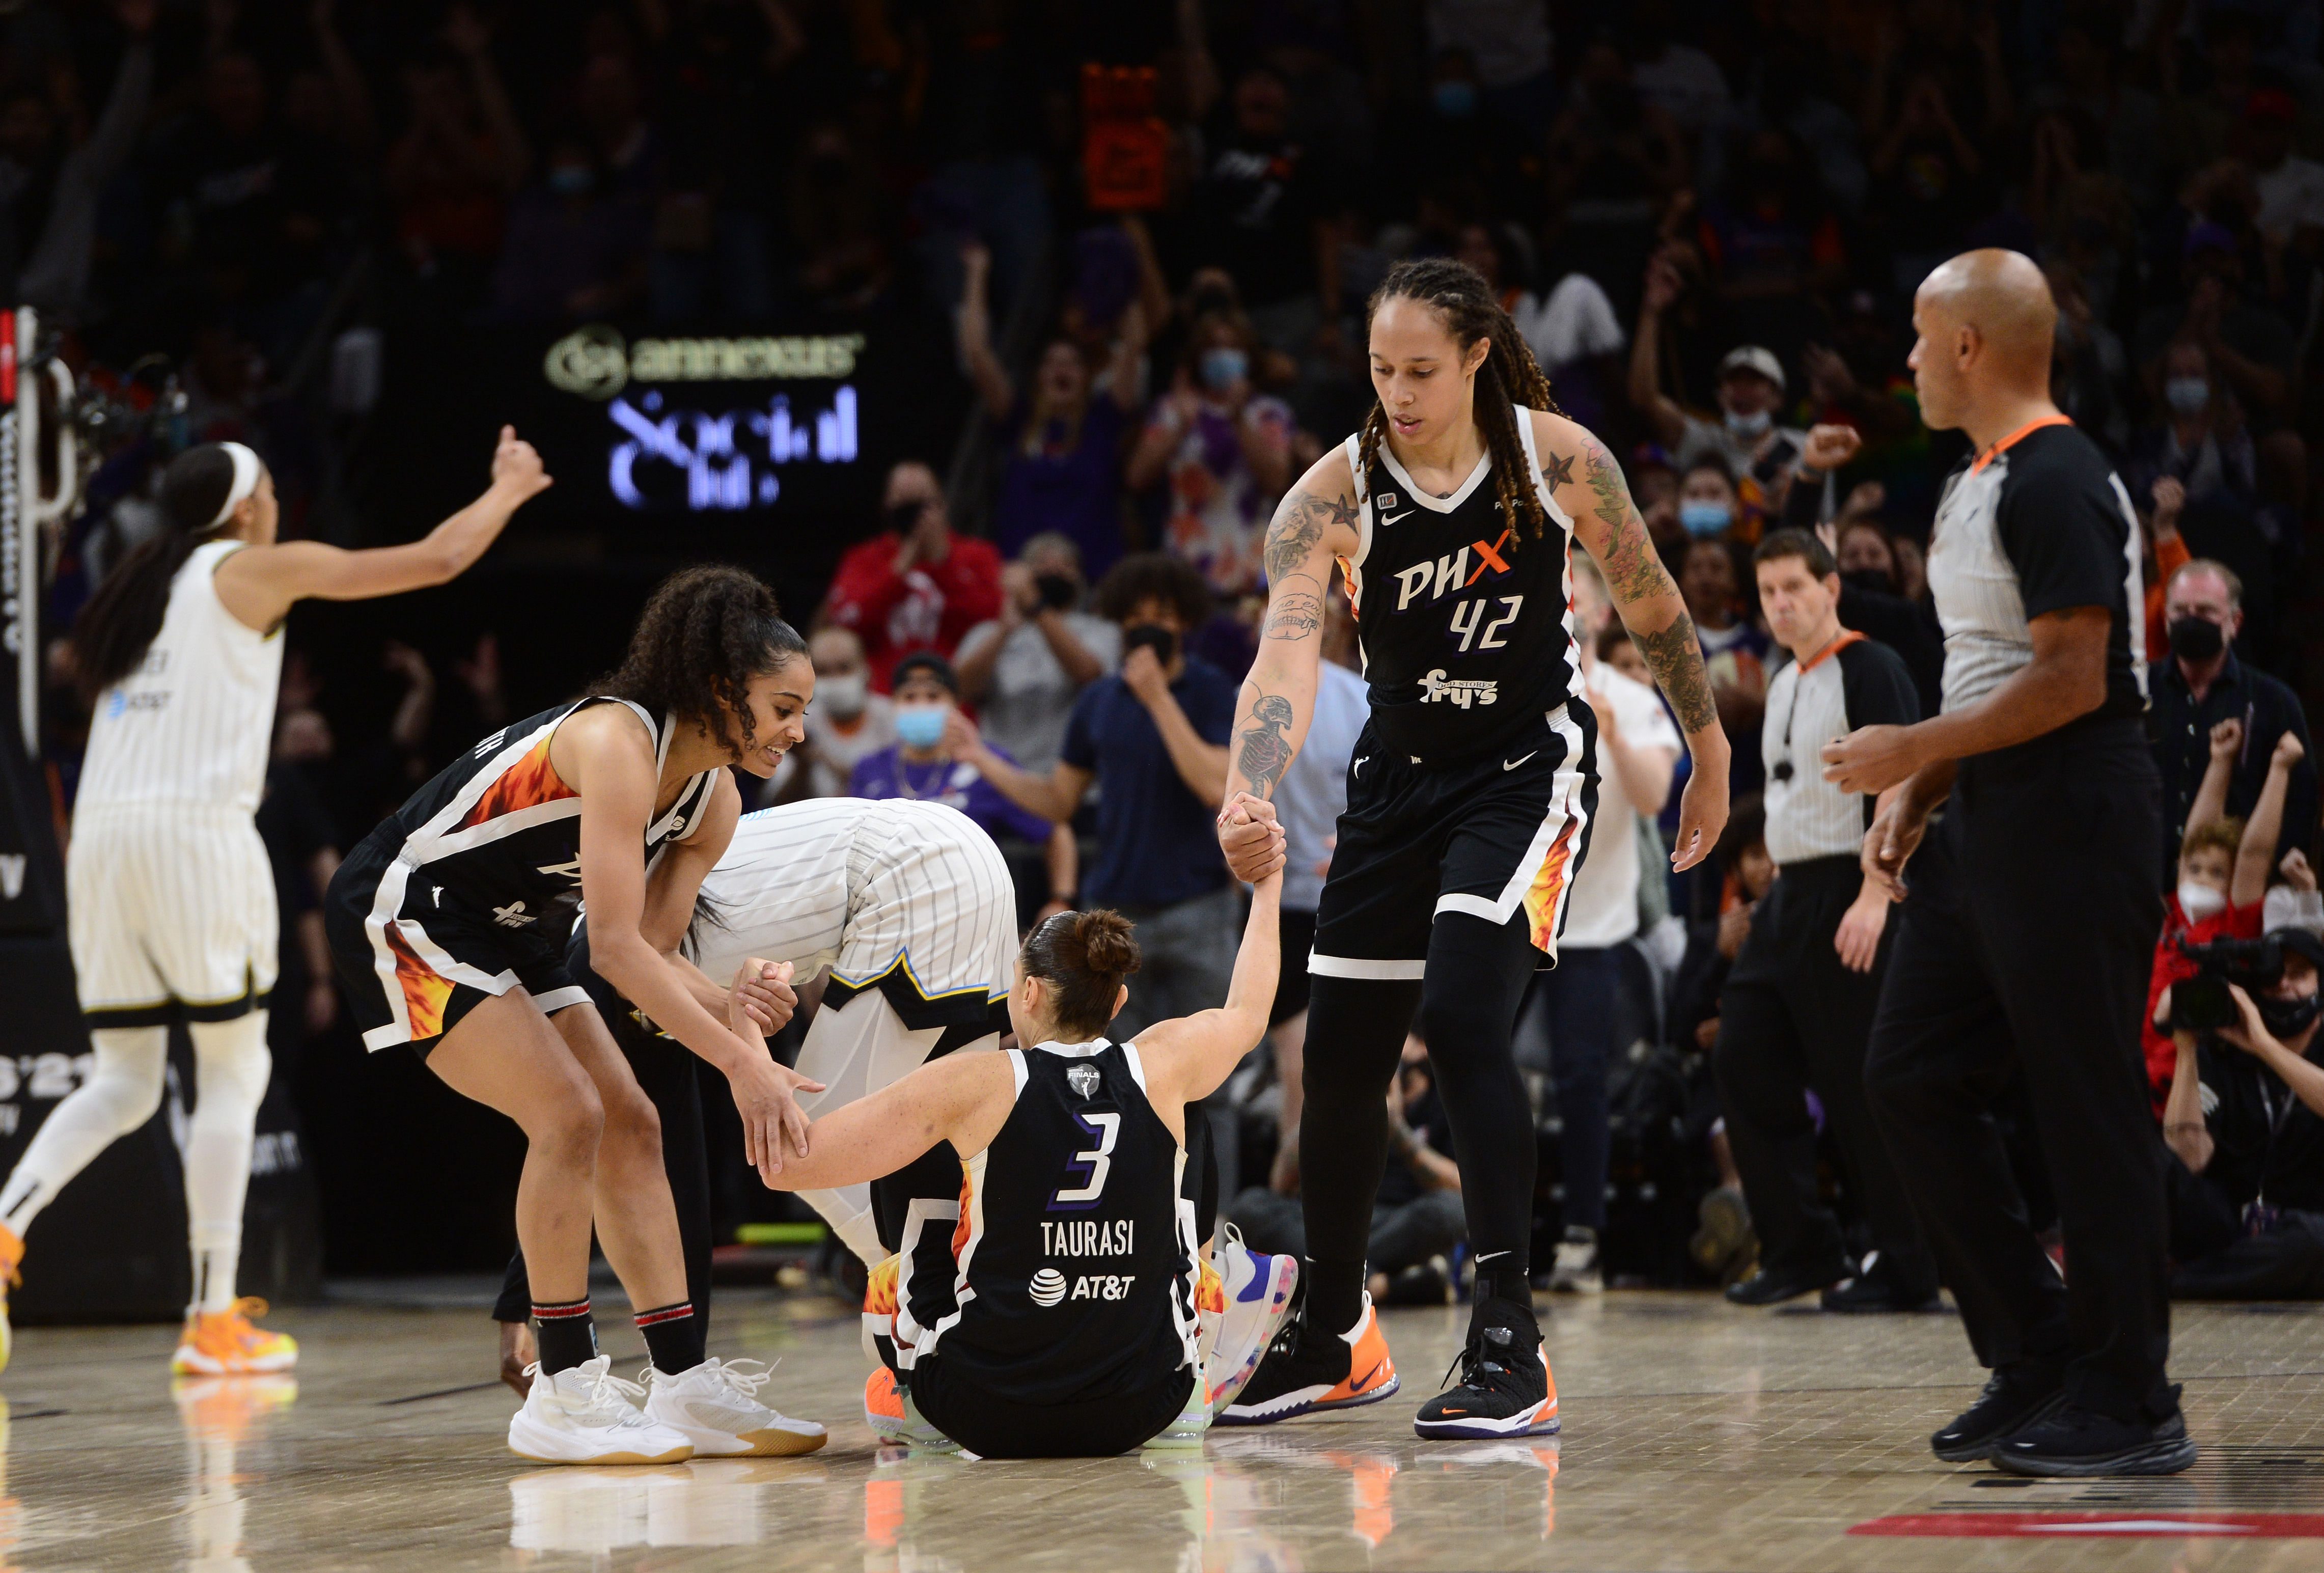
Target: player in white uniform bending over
(911,907)
(171,901)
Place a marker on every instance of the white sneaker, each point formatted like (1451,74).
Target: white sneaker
(715,1407)
(1576,1269)
(1257,1289)
(585,1416)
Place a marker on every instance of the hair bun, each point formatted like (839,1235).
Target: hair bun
(1107,946)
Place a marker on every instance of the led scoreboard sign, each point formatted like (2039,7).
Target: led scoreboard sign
(716,425)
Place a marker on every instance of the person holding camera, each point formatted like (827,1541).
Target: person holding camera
(915,584)
(2223,869)
(2245,1122)
(1023,670)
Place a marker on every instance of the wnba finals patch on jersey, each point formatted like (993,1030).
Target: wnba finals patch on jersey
(1463,615)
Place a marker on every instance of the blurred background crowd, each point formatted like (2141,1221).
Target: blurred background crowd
(1133,243)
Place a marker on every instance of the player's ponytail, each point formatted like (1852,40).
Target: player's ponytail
(1082,956)
(121,620)
(1508,376)
(705,633)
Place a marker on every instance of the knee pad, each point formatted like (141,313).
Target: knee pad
(126,1082)
(231,1062)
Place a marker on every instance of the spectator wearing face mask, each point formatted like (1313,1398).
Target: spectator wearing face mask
(921,767)
(2201,684)
(1872,599)
(2246,1122)
(846,722)
(915,584)
(1153,739)
(1759,453)
(1023,670)
(2223,871)
(1708,508)
(1224,451)
(2202,442)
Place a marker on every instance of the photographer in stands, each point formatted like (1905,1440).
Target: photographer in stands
(2246,1122)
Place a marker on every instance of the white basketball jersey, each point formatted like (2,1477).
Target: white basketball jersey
(193,723)
(865,888)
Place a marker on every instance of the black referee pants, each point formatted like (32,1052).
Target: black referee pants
(2024,948)
(1792,1017)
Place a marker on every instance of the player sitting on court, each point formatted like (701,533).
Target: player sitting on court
(1069,1329)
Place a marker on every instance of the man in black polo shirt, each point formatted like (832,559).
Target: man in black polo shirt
(2024,945)
(2200,684)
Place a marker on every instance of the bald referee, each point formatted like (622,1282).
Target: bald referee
(2029,922)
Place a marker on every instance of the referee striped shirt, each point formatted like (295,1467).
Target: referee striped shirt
(1851,682)
(2037,524)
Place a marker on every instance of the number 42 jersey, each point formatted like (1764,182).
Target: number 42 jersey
(1466,621)
(1076,1252)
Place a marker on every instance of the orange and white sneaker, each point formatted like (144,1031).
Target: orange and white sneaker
(1506,1389)
(11,1252)
(1305,1371)
(224,1344)
(888,1411)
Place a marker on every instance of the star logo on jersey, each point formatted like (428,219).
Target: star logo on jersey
(513,916)
(1083,1079)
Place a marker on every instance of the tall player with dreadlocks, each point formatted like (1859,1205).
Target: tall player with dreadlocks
(1451,516)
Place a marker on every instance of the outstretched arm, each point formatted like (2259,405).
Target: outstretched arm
(961,1098)
(1607,523)
(1187,1058)
(258,585)
(2219,772)
(2248,884)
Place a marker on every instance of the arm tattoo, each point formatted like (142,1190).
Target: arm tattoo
(1298,526)
(1294,614)
(1559,471)
(1262,752)
(1634,568)
(1675,655)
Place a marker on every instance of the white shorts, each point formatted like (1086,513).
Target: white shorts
(171,913)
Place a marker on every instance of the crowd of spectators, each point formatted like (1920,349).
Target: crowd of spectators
(1707,221)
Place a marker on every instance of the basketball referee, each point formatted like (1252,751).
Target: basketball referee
(2025,940)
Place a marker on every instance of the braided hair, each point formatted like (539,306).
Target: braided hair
(1510,375)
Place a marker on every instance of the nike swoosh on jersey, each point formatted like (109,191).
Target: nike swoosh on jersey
(1388,519)
(1513,764)
(1358,768)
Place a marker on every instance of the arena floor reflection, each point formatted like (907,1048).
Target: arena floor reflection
(1697,1436)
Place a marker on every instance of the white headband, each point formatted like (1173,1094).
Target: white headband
(246,471)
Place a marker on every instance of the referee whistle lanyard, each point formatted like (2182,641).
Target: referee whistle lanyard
(2017,436)
(1848,636)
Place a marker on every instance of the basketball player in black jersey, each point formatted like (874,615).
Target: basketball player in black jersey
(1069,1329)
(444,923)
(1451,516)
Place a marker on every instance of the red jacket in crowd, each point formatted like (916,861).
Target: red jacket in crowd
(929,606)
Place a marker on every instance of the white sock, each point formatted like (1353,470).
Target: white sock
(120,1094)
(231,1065)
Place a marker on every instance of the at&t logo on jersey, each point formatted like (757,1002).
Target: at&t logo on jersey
(1436,688)
(1047,1287)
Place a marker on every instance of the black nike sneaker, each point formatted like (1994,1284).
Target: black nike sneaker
(1506,1389)
(2074,1443)
(1306,1370)
(2014,1396)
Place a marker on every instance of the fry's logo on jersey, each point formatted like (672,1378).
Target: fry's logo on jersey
(1089,1237)
(1450,573)
(1461,692)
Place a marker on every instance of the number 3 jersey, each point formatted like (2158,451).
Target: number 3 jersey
(1076,1257)
(1466,620)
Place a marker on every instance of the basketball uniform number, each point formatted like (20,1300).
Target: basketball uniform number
(1107,1128)
(1470,615)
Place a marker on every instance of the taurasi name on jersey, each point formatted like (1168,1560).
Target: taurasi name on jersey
(1089,1237)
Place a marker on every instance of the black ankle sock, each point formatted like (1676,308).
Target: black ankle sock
(1504,1281)
(674,1337)
(1335,1295)
(566,1336)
